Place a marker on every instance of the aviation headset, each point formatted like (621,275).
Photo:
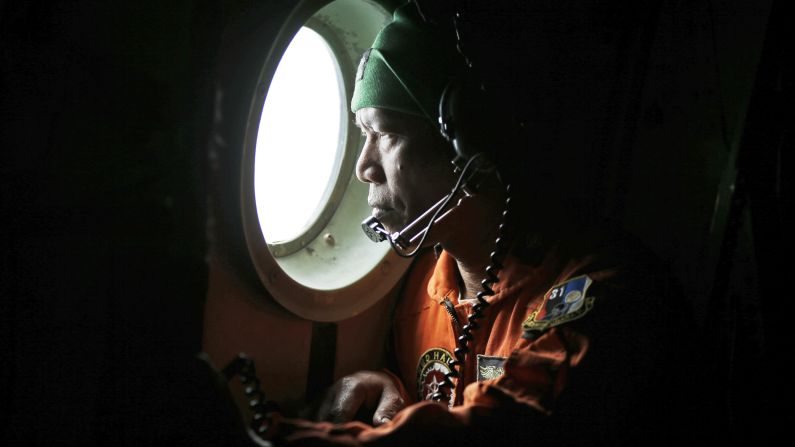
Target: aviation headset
(468,120)
(468,111)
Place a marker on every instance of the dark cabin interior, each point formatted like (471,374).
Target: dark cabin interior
(122,128)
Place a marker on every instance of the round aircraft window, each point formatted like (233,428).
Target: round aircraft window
(302,204)
(300,144)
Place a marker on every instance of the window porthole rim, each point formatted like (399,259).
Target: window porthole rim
(384,269)
(347,146)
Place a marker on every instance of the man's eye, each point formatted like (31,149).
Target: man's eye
(373,135)
(378,135)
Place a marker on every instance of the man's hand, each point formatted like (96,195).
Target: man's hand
(360,395)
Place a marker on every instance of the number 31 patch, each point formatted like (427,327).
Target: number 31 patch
(562,303)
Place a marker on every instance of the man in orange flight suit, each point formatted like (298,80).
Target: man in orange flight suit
(582,341)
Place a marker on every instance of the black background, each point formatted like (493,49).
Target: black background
(109,110)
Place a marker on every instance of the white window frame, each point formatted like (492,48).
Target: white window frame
(347,148)
(332,272)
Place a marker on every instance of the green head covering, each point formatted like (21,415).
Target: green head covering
(407,68)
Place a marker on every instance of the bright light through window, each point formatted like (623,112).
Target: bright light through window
(300,138)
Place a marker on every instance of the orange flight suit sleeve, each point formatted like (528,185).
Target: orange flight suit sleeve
(492,410)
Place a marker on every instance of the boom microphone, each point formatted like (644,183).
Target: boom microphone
(415,233)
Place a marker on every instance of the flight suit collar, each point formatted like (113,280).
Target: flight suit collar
(444,279)
(443,282)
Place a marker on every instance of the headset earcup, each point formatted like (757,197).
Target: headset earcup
(468,119)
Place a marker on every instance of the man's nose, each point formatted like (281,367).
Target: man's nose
(368,166)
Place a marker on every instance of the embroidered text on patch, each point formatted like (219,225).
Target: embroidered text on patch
(562,303)
(431,371)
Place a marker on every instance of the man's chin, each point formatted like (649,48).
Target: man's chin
(390,220)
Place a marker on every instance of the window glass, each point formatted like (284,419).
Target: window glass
(300,141)
(302,205)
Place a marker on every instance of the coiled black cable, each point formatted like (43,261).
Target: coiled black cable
(243,366)
(495,265)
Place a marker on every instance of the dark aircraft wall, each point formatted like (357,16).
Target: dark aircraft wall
(109,110)
(105,112)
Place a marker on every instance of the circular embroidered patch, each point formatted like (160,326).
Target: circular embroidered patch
(431,370)
(574,300)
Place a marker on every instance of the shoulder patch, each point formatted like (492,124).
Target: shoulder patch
(490,367)
(562,303)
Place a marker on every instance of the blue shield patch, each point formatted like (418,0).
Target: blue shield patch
(562,303)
